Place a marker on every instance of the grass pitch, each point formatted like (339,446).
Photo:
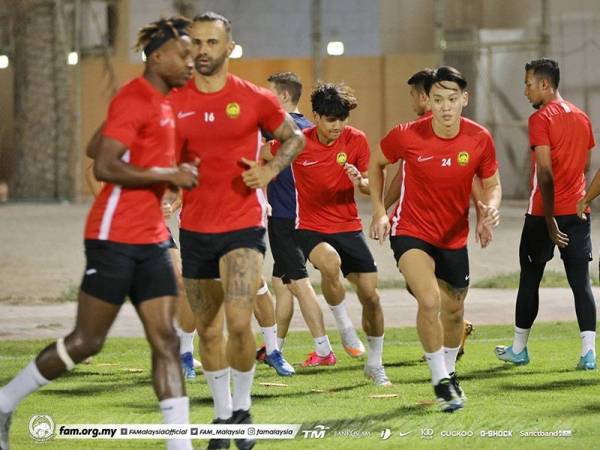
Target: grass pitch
(547,395)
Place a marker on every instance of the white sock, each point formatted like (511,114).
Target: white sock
(280,342)
(322,345)
(450,355)
(176,411)
(242,385)
(24,383)
(342,319)
(588,342)
(374,357)
(270,337)
(437,365)
(186,342)
(520,339)
(218,383)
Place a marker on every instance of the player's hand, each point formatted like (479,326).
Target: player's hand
(489,215)
(257,176)
(483,234)
(269,210)
(380,227)
(353,173)
(558,237)
(582,205)
(186,175)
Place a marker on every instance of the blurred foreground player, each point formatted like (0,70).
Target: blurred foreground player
(126,238)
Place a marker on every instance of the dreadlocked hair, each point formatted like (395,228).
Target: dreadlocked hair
(153,30)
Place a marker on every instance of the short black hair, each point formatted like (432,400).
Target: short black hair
(287,81)
(545,68)
(333,100)
(445,73)
(419,79)
(210,16)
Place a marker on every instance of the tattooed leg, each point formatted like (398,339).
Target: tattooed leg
(206,300)
(241,276)
(452,311)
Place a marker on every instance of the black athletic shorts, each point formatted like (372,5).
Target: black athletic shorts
(351,246)
(289,262)
(201,252)
(114,271)
(536,245)
(451,266)
(172,241)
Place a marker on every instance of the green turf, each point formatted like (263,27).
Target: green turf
(546,395)
(551,279)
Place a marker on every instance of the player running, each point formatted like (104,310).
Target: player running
(126,238)
(329,230)
(429,227)
(222,221)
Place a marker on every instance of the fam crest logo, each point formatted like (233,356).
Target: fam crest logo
(41,428)
(463,158)
(341,158)
(233,110)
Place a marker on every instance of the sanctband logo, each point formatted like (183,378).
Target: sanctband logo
(41,428)
(318,432)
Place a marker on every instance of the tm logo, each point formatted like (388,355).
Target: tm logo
(318,432)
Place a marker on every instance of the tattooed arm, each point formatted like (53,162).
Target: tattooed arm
(292,141)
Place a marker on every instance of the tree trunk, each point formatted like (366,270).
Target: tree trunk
(43,138)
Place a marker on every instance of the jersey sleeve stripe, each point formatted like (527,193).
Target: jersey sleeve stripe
(396,218)
(260,195)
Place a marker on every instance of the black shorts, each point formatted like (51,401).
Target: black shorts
(351,246)
(536,245)
(289,262)
(451,266)
(201,252)
(172,241)
(114,271)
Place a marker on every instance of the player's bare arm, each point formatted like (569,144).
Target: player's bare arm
(593,191)
(265,152)
(109,167)
(292,141)
(92,146)
(393,193)
(545,178)
(380,225)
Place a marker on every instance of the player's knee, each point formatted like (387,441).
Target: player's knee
(370,299)
(330,269)
(81,346)
(429,305)
(165,342)
(238,326)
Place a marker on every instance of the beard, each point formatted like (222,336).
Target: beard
(211,67)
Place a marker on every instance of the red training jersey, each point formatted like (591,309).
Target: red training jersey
(325,194)
(437,179)
(219,129)
(567,130)
(141,118)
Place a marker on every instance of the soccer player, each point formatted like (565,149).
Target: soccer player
(222,221)
(126,238)
(329,230)
(419,102)
(290,277)
(560,136)
(429,229)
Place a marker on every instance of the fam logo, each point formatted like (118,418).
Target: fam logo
(463,158)
(318,432)
(233,110)
(341,158)
(41,428)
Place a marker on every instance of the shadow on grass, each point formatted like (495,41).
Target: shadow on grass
(552,385)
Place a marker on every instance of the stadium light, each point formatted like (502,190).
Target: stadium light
(73,58)
(335,48)
(4,62)
(237,52)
